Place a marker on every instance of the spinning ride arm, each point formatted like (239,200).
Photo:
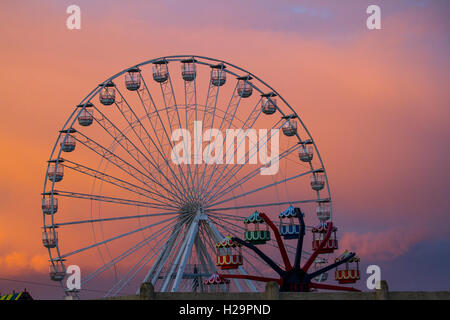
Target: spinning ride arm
(266,259)
(298,253)
(317,251)
(287,263)
(331,266)
(249,277)
(331,287)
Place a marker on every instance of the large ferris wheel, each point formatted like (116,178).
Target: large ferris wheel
(129,201)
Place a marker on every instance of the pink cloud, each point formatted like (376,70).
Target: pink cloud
(383,246)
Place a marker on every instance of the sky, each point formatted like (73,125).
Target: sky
(375,101)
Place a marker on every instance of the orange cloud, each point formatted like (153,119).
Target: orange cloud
(15,263)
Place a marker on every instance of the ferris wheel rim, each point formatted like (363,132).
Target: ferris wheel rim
(73,117)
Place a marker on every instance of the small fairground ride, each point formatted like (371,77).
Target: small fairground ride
(215,283)
(294,277)
(256,230)
(350,274)
(229,254)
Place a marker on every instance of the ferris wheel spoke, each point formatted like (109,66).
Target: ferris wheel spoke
(206,264)
(250,252)
(187,252)
(228,118)
(237,229)
(224,216)
(115,238)
(210,104)
(60,224)
(169,249)
(203,239)
(212,265)
(243,161)
(169,96)
(249,176)
(169,99)
(249,123)
(213,236)
(232,231)
(134,122)
(230,173)
(130,275)
(125,254)
(239,182)
(217,235)
(270,204)
(114,159)
(221,192)
(160,147)
(155,270)
(176,260)
(115,181)
(190,100)
(261,188)
(154,124)
(88,196)
(170,260)
(124,166)
(127,145)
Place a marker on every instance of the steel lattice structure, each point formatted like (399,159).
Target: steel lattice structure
(115,203)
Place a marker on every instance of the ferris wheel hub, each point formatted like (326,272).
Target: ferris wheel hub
(192,208)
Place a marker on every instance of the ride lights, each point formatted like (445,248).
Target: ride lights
(229,254)
(256,236)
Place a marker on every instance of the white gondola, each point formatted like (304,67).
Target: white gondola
(268,104)
(160,71)
(188,70)
(50,205)
(49,238)
(133,79)
(107,94)
(57,271)
(67,143)
(320,263)
(289,127)
(86,115)
(56,172)
(323,210)
(318,180)
(218,75)
(244,87)
(306,152)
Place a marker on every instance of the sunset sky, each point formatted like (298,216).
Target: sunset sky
(376,102)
